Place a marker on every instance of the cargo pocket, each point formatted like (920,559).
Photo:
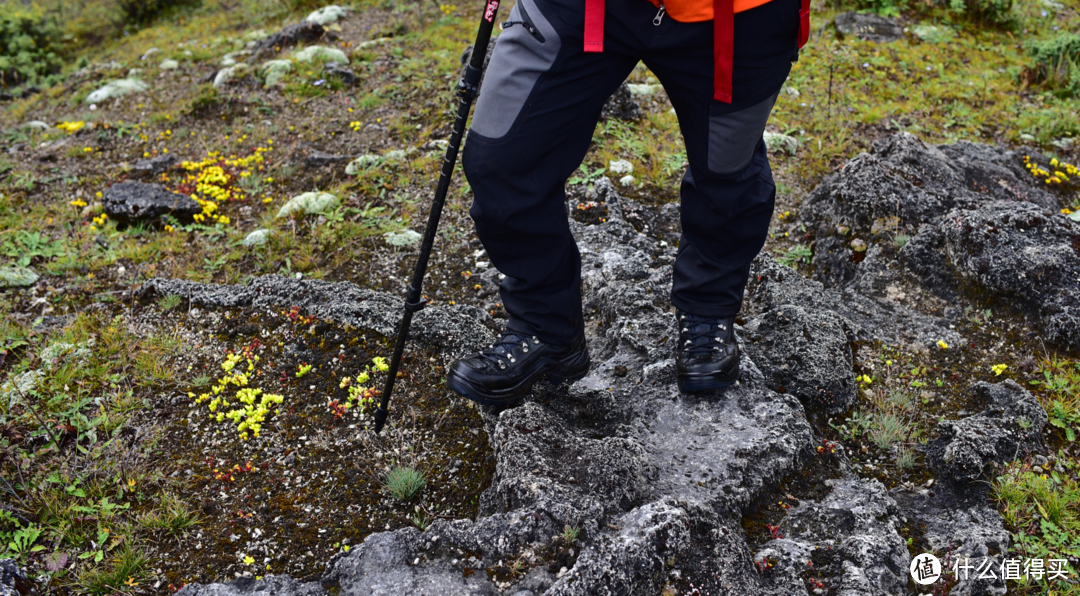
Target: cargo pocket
(526,49)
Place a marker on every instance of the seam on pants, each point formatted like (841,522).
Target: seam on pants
(516,64)
(734,136)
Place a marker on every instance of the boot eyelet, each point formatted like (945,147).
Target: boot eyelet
(525,349)
(512,359)
(502,366)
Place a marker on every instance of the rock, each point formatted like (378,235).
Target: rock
(621,105)
(960,529)
(406,238)
(320,54)
(117,88)
(137,201)
(780,143)
(852,535)
(12,580)
(335,70)
(168,64)
(271,585)
(805,354)
(965,448)
(901,185)
(275,70)
(297,33)
(327,14)
(772,285)
(17,277)
(1022,254)
(318,159)
(257,237)
(155,165)
(869,27)
(309,203)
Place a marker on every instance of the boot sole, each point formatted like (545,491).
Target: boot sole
(703,383)
(556,373)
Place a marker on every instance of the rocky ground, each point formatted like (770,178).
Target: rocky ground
(893,373)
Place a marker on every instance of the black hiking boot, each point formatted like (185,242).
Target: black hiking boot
(707,357)
(503,373)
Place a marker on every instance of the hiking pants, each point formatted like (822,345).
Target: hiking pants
(538,106)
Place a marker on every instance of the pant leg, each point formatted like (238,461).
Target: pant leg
(539,103)
(728,191)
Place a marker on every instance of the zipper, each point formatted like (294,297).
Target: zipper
(659,15)
(525,22)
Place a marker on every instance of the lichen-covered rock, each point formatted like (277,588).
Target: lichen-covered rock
(321,54)
(10,577)
(806,354)
(138,201)
(621,106)
(901,184)
(852,536)
(297,33)
(1010,427)
(17,277)
(1022,254)
(869,27)
(960,529)
(155,165)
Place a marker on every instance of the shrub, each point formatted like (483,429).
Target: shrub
(27,47)
(141,12)
(1057,63)
(996,12)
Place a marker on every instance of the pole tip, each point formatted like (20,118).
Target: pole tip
(380,419)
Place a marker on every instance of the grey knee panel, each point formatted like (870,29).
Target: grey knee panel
(525,51)
(734,136)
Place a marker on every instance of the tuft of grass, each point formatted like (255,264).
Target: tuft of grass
(169,302)
(887,429)
(570,533)
(174,516)
(125,570)
(404,482)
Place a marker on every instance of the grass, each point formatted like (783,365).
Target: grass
(404,482)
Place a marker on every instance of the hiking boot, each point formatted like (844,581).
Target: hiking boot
(503,373)
(707,357)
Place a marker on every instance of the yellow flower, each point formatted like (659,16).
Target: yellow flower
(248,560)
(999,368)
(941,344)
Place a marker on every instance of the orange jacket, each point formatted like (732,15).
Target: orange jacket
(691,11)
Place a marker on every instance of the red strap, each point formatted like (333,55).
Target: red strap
(804,23)
(594,25)
(723,48)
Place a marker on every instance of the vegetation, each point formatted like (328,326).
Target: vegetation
(404,482)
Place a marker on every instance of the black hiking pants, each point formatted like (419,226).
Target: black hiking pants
(539,104)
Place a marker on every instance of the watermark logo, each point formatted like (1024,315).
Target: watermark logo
(489,12)
(925,569)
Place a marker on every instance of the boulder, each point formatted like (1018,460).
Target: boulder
(852,536)
(12,580)
(339,72)
(870,27)
(1023,255)
(1010,427)
(318,159)
(155,165)
(137,201)
(806,354)
(295,34)
(621,105)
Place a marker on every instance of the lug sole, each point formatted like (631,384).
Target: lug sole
(702,383)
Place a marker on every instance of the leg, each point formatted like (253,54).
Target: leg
(540,101)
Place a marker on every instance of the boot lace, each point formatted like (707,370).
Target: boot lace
(502,351)
(703,334)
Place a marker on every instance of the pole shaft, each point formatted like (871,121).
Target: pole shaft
(467,91)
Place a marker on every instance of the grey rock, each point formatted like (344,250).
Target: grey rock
(155,165)
(961,527)
(899,186)
(870,27)
(772,285)
(966,448)
(271,585)
(340,72)
(536,581)
(11,577)
(855,530)
(295,34)
(1022,254)
(806,354)
(621,105)
(137,201)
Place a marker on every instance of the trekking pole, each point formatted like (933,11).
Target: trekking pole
(467,90)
